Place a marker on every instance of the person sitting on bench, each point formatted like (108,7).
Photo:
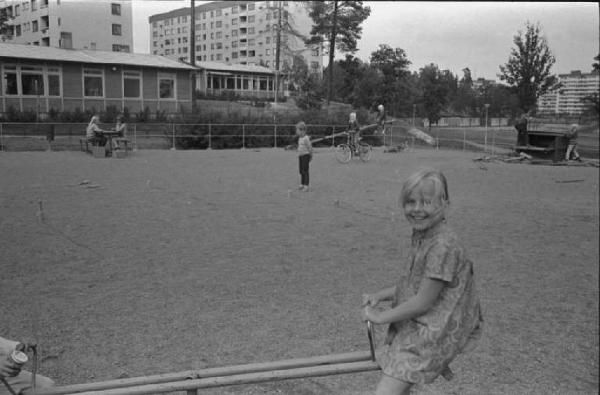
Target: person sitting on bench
(94,134)
(121,128)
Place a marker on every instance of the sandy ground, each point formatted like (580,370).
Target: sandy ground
(169,261)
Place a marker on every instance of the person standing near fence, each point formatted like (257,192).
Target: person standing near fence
(380,119)
(572,135)
(521,126)
(305,153)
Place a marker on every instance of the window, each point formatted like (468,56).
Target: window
(251,42)
(93,82)
(315,52)
(234,21)
(116,29)
(234,9)
(268,40)
(219,56)
(25,6)
(219,35)
(234,44)
(219,45)
(9,80)
(17,12)
(32,80)
(234,33)
(218,13)
(219,24)
(267,52)
(154,44)
(132,81)
(18,30)
(250,6)
(250,30)
(120,48)
(234,55)
(251,19)
(53,81)
(33,5)
(34,26)
(155,24)
(115,8)
(166,86)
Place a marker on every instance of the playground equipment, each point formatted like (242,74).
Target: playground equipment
(193,380)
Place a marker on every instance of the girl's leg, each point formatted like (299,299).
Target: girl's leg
(569,149)
(391,386)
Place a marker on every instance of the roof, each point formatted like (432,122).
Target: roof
(233,67)
(34,52)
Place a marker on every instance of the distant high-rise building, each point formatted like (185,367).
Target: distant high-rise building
(237,32)
(104,25)
(567,98)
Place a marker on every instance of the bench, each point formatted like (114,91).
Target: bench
(84,142)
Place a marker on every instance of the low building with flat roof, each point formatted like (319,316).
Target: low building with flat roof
(42,78)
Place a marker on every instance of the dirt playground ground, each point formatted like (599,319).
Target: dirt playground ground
(175,260)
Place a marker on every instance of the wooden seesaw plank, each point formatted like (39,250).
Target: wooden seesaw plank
(238,379)
(332,359)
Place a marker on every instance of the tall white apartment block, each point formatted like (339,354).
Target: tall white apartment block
(104,25)
(240,32)
(568,98)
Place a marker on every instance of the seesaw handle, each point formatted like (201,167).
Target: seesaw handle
(370,334)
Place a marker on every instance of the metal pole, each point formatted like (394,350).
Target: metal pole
(414,111)
(1,140)
(464,139)
(134,137)
(275,128)
(486,127)
(333,139)
(243,137)
(173,131)
(209,137)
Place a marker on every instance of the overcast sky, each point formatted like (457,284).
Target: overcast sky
(453,35)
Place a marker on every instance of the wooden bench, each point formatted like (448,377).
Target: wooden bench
(84,142)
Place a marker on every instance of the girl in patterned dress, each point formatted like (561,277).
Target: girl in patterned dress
(435,313)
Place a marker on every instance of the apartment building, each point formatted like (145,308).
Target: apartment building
(568,98)
(104,25)
(236,32)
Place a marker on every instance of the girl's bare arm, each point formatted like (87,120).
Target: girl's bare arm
(417,305)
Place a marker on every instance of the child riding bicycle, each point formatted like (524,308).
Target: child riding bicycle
(353,132)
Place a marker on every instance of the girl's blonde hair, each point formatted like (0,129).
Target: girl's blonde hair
(437,177)
(301,126)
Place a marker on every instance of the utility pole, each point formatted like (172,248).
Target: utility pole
(278,50)
(193,50)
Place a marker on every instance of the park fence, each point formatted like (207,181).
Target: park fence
(67,136)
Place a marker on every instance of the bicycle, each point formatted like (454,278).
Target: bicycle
(345,151)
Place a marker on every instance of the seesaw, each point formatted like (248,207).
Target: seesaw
(193,380)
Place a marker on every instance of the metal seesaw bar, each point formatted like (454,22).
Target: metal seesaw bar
(324,365)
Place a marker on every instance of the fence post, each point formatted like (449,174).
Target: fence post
(333,138)
(243,137)
(209,137)
(493,141)
(1,140)
(275,136)
(134,148)
(465,137)
(437,139)
(173,131)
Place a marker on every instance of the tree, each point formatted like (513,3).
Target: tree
(6,30)
(337,23)
(393,66)
(593,100)
(465,96)
(434,90)
(305,84)
(528,68)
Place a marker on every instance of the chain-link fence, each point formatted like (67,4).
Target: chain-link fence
(398,135)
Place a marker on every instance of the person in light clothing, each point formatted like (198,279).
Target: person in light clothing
(305,153)
(435,313)
(572,144)
(13,379)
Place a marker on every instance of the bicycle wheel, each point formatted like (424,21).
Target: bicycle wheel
(364,152)
(343,153)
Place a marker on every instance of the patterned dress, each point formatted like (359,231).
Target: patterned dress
(420,349)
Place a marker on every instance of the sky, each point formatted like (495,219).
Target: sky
(453,35)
